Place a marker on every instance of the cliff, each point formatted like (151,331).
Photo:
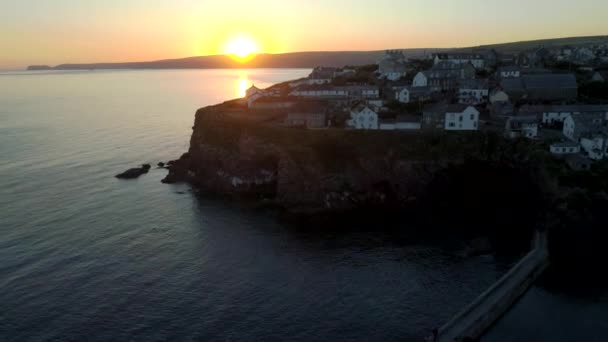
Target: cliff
(238,154)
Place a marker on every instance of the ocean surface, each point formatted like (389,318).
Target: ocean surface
(84,256)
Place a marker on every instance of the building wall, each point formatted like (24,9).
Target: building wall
(569,128)
(468,120)
(403,96)
(365,119)
(472,96)
(557,149)
(594,147)
(408,125)
(420,80)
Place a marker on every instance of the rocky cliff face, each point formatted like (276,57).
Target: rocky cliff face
(310,171)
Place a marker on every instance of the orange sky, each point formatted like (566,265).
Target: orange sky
(73,31)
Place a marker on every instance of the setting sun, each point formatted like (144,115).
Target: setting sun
(242,48)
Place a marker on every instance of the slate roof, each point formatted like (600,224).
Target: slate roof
(474,84)
(550,81)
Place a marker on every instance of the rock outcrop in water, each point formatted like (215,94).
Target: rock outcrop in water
(134,172)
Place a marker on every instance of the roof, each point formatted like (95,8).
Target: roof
(361,106)
(474,84)
(565,144)
(586,123)
(511,84)
(508,68)
(580,108)
(456,108)
(550,81)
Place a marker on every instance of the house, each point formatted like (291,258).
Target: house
(557,114)
(408,94)
(473,91)
(508,72)
(564,147)
(363,116)
(582,55)
(534,58)
(600,76)
(477,60)
(522,126)
(344,72)
(320,91)
(542,87)
(455,117)
(253,94)
(498,95)
(321,75)
(444,76)
(579,125)
(307,114)
(362,91)
(595,146)
(393,65)
(461,118)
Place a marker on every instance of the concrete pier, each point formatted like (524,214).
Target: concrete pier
(474,319)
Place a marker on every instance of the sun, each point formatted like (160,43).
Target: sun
(242,48)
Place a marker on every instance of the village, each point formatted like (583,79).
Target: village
(556,95)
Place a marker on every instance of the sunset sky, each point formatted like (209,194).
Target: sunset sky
(61,31)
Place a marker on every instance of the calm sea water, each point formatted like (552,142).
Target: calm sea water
(84,256)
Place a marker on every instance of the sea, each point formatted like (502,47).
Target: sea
(87,257)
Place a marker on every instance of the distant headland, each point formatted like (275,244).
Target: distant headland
(307,59)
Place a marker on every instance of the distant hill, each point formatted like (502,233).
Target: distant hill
(516,47)
(312,59)
(284,60)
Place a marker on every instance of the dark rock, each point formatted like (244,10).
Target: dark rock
(160,164)
(134,172)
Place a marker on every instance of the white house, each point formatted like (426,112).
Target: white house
(473,91)
(477,60)
(363,117)
(393,66)
(498,95)
(410,94)
(555,114)
(594,146)
(402,94)
(420,80)
(320,92)
(522,127)
(600,76)
(509,72)
(253,94)
(579,125)
(461,118)
(563,148)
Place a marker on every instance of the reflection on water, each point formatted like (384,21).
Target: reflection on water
(243,83)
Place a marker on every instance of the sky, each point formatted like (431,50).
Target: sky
(82,31)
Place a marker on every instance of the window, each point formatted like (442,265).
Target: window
(452,124)
(472,116)
(460,118)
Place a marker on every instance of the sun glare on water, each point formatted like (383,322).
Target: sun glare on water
(242,48)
